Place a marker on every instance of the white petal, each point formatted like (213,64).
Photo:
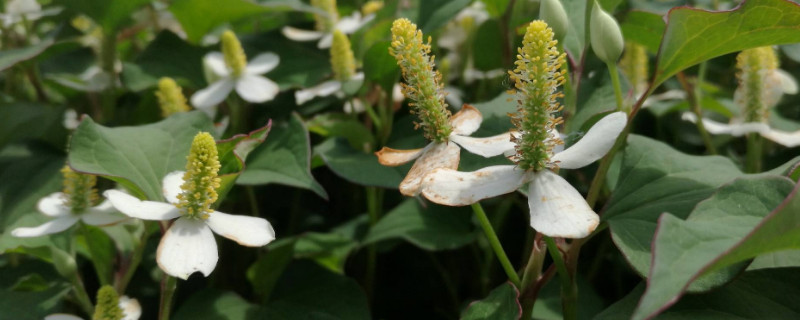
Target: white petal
(62,316)
(395,157)
(256,89)
(146,210)
(734,129)
(49,227)
(102,218)
(321,90)
(457,188)
(213,94)
(216,62)
(466,121)
(557,209)
(487,147)
(351,23)
(53,205)
(245,230)
(187,247)
(171,186)
(71,120)
(262,63)
(788,83)
(130,307)
(595,144)
(440,155)
(788,139)
(326,41)
(300,34)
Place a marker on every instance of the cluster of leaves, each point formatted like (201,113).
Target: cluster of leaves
(683,233)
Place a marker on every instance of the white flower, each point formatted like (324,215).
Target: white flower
(777,84)
(250,85)
(556,208)
(188,245)
(54,206)
(346,25)
(324,89)
(131,310)
(17,10)
(445,155)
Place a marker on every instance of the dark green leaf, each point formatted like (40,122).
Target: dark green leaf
(359,167)
(108,14)
(501,304)
(342,125)
(432,228)
(10,57)
(166,56)
(232,155)
(380,67)
(435,13)
(644,28)
(488,36)
(264,273)
(31,305)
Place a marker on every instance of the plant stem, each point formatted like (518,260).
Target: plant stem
(133,264)
(237,114)
(694,98)
(612,70)
(108,58)
(495,243)
(532,273)
(80,292)
(168,285)
(754,146)
(569,290)
(251,198)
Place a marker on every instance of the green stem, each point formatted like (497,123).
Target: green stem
(694,97)
(136,258)
(532,273)
(108,58)
(754,146)
(80,292)
(569,290)
(495,243)
(612,70)
(168,285)
(237,114)
(251,198)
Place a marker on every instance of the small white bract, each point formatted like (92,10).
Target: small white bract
(53,206)
(347,25)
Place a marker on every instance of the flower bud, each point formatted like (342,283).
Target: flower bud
(79,190)
(170,98)
(342,60)
(200,182)
(234,55)
(326,22)
(107,307)
(606,35)
(552,12)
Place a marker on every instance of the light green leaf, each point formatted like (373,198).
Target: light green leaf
(433,228)
(683,249)
(359,167)
(283,159)
(137,157)
(502,303)
(644,28)
(10,57)
(342,125)
(232,155)
(108,14)
(693,36)
(433,14)
(380,67)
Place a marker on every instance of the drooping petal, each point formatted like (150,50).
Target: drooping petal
(62,316)
(53,226)
(300,34)
(353,22)
(557,209)
(595,144)
(53,205)
(187,247)
(326,41)
(788,83)
(466,121)
(245,230)
(787,139)
(321,90)
(216,62)
(102,218)
(171,186)
(130,307)
(439,155)
(488,146)
(256,89)
(262,63)
(734,129)
(457,188)
(146,210)
(395,157)
(213,94)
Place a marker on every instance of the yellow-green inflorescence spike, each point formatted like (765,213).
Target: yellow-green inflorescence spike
(170,97)
(107,307)
(325,23)
(756,67)
(200,182)
(342,59)
(423,84)
(79,190)
(634,65)
(234,55)
(371,7)
(537,76)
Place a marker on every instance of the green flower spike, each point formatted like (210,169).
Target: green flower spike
(234,55)
(342,60)
(170,97)
(759,87)
(79,190)
(537,76)
(107,307)
(422,85)
(200,180)
(634,65)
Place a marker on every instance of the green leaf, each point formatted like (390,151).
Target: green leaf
(31,305)
(342,125)
(301,63)
(10,57)
(433,228)
(359,167)
(232,155)
(100,251)
(28,175)
(682,249)
(213,304)
(575,40)
(166,56)
(284,159)
(380,67)
(693,36)
(644,28)
(137,157)
(654,178)
(22,120)
(265,272)
(433,14)
(487,36)
(108,14)
(502,303)
(198,17)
